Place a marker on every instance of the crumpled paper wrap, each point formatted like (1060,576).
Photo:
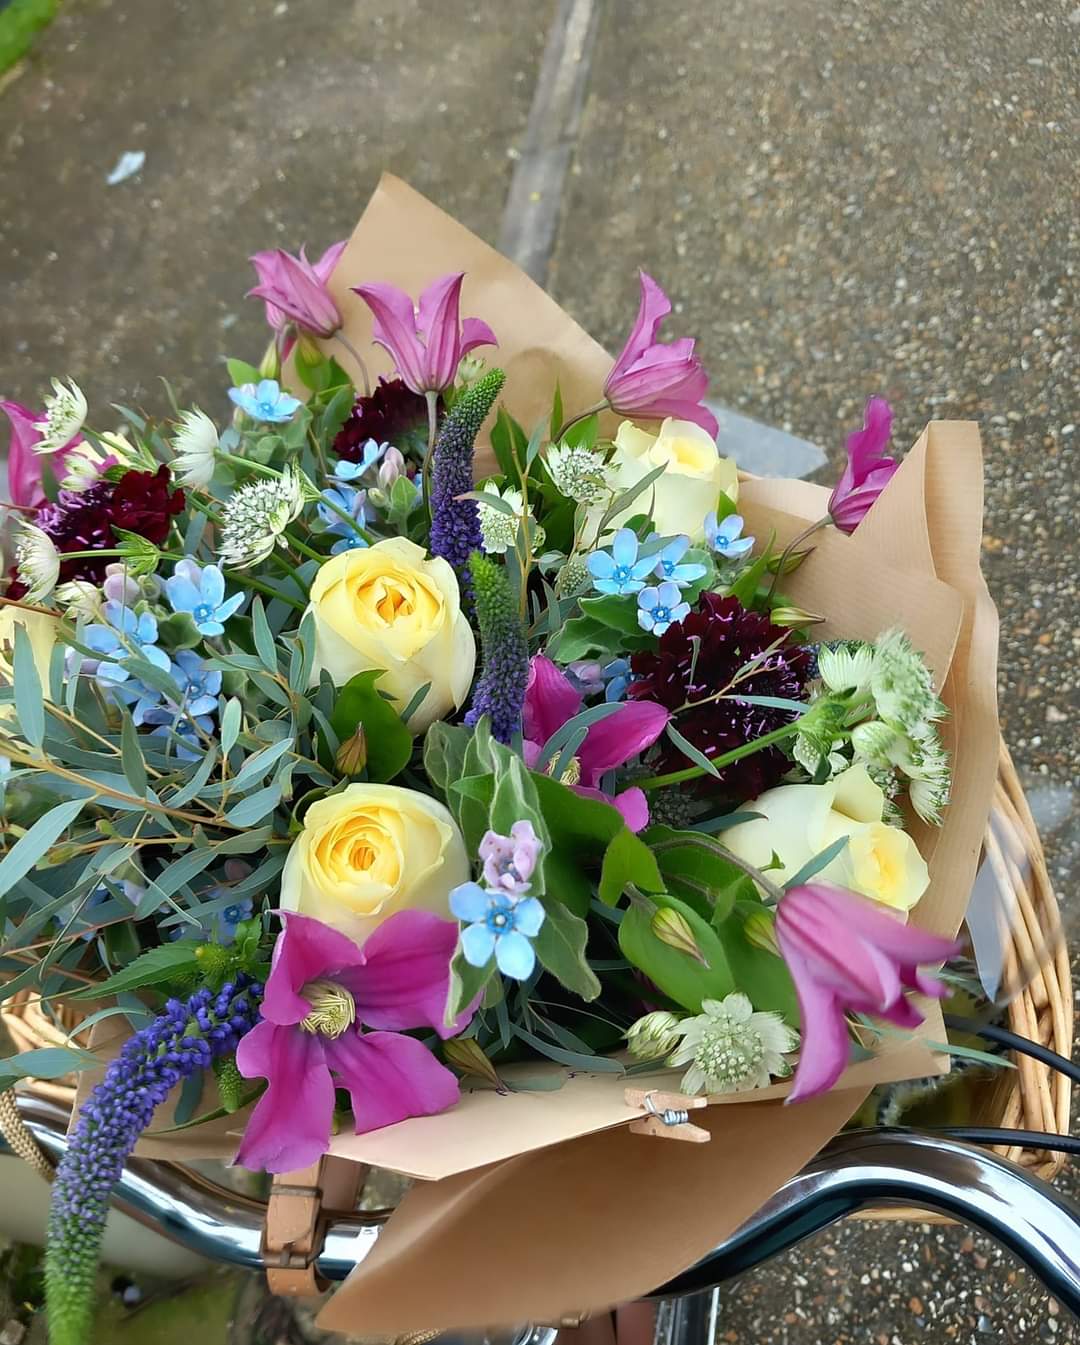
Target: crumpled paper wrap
(541,1204)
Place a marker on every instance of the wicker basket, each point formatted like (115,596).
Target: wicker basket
(30,1028)
(1031,1097)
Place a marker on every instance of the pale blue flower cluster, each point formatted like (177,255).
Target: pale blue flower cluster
(621,570)
(265,401)
(660,607)
(725,537)
(201,593)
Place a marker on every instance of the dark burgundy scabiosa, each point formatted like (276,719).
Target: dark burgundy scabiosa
(393,414)
(138,502)
(727,637)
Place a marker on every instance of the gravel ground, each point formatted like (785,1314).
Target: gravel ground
(842,199)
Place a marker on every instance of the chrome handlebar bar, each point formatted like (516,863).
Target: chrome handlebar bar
(857,1170)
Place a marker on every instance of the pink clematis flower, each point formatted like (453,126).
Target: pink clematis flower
(845,953)
(24,465)
(426,344)
(294,290)
(551,699)
(868,471)
(652,380)
(322,993)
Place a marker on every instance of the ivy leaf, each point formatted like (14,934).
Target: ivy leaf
(628,860)
(389,742)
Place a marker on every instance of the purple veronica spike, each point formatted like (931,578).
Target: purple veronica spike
(189,1035)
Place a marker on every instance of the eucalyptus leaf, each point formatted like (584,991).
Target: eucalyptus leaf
(47,1062)
(29,700)
(131,756)
(31,847)
(816,863)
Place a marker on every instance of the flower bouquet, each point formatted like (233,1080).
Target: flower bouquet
(453,742)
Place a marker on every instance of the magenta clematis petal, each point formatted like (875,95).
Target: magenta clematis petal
(867,471)
(634,806)
(24,465)
(390,1078)
(550,700)
(870,921)
(475,332)
(305,950)
(653,307)
(825,1043)
(395,330)
(439,324)
(680,409)
(290,1125)
(324,267)
(611,741)
(295,291)
(403,977)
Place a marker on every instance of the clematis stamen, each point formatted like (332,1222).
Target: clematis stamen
(333,1009)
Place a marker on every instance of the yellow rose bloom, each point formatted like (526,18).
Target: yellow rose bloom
(369,852)
(391,606)
(694,475)
(799,821)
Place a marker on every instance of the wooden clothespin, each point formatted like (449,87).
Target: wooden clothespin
(667,1115)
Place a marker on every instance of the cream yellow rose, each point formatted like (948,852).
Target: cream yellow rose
(391,606)
(41,629)
(800,821)
(694,475)
(369,852)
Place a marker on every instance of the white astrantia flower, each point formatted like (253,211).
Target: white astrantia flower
(65,412)
(80,598)
(901,685)
(579,473)
(846,666)
(36,559)
(925,762)
(255,516)
(499,526)
(194,446)
(731,1049)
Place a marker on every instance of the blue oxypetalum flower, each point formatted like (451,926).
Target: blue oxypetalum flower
(668,566)
(497,924)
(370,455)
(264,401)
(201,592)
(661,606)
(619,570)
(138,697)
(616,675)
(724,538)
(190,720)
(230,917)
(126,634)
(349,501)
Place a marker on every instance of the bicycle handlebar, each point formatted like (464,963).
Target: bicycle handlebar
(860,1169)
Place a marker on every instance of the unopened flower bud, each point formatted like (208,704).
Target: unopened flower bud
(307,350)
(352,754)
(873,740)
(271,362)
(793,616)
(760,933)
(467,1056)
(654,1036)
(213,960)
(230,1084)
(673,928)
(391,467)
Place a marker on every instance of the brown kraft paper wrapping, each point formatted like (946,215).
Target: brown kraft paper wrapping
(578,1215)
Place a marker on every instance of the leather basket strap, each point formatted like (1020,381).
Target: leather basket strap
(300,1205)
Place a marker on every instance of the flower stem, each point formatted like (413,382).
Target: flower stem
(702,842)
(725,759)
(248,581)
(581,415)
(303,548)
(795,541)
(260,469)
(358,358)
(432,399)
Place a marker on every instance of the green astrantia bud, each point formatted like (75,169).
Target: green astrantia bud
(654,1036)
(230,1083)
(672,928)
(760,931)
(873,740)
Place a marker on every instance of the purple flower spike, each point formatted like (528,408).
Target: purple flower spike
(652,379)
(868,470)
(509,861)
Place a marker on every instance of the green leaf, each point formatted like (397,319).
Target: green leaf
(444,753)
(48,1062)
(557,417)
(560,946)
(510,443)
(265,644)
(692,753)
(29,702)
(761,975)
(695,870)
(466,983)
(620,613)
(157,966)
(681,977)
(191,1091)
(389,742)
(32,846)
(583,636)
(628,860)
(816,863)
(596,1064)
(249,1095)
(231,717)
(255,807)
(746,586)
(131,757)
(241,372)
(256,767)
